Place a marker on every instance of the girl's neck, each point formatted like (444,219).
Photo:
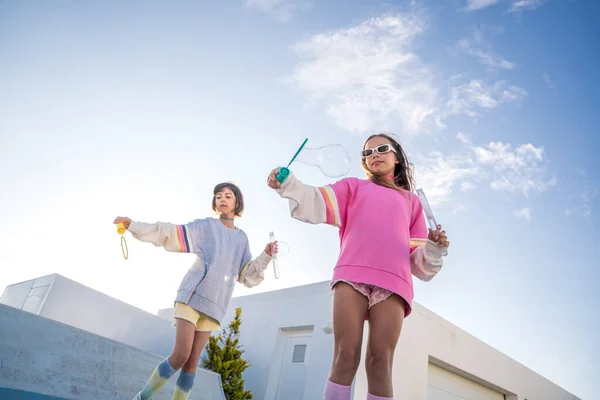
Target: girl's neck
(227,221)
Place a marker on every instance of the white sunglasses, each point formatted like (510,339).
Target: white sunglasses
(381,149)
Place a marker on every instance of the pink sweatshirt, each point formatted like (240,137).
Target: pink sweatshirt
(383,235)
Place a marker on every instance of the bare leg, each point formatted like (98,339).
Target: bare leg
(385,324)
(184,338)
(349,309)
(185,382)
(200,340)
(185,333)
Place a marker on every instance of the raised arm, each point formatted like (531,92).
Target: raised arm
(314,205)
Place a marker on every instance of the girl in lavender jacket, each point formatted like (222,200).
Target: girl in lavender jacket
(222,258)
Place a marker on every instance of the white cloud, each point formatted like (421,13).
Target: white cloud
(548,81)
(467,186)
(463,138)
(521,170)
(368,77)
(584,202)
(438,174)
(478,48)
(282,10)
(524,213)
(466,98)
(473,5)
(524,5)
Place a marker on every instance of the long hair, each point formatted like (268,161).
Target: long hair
(403,172)
(239,198)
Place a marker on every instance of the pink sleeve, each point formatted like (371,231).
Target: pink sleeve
(337,196)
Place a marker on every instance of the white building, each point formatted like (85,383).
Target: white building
(284,338)
(61,339)
(64,300)
(290,352)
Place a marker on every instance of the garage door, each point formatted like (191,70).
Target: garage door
(446,385)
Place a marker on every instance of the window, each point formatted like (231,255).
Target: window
(299,353)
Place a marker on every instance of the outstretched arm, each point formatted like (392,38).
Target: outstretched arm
(174,238)
(314,205)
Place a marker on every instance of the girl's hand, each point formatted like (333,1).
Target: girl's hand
(126,221)
(438,237)
(271,248)
(272,179)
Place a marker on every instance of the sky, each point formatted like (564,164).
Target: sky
(139,108)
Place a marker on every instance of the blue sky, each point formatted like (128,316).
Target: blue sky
(139,109)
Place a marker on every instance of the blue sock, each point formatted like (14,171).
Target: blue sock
(159,377)
(184,385)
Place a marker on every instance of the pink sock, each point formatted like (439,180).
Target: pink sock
(333,391)
(373,397)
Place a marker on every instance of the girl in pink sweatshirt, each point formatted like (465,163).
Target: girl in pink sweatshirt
(383,241)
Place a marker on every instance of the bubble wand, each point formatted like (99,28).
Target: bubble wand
(121,231)
(284,172)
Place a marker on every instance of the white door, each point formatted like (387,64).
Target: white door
(446,385)
(292,378)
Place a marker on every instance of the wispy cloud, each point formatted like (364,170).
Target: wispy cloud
(282,10)
(522,169)
(548,81)
(473,5)
(368,74)
(467,98)
(525,5)
(467,186)
(583,202)
(479,48)
(524,213)
(439,174)
(368,77)
(503,167)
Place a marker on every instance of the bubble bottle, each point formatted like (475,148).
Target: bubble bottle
(283,249)
(430,220)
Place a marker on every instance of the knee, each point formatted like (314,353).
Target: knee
(347,359)
(191,365)
(379,365)
(178,359)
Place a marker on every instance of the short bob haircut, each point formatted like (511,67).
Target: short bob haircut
(239,198)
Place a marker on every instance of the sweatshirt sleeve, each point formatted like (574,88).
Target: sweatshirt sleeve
(252,272)
(317,205)
(174,238)
(425,256)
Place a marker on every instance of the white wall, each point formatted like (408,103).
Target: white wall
(29,295)
(48,358)
(263,316)
(79,306)
(426,338)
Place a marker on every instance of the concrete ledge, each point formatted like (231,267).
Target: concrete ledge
(45,357)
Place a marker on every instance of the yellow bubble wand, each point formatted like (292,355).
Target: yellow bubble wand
(121,231)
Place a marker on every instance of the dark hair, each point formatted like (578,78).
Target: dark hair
(403,172)
(239,198)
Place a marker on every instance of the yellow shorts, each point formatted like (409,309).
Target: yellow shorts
(202,321)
